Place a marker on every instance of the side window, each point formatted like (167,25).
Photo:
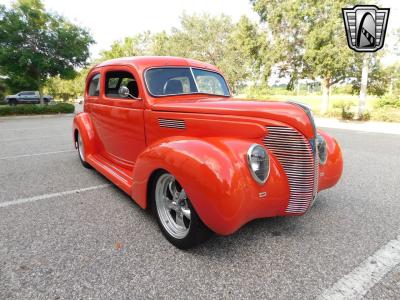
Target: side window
(116,79)
(94,86)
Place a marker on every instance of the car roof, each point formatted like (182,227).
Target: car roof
(144,62)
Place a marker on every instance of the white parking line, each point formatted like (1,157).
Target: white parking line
(53,195)
(357,283)
(35,154)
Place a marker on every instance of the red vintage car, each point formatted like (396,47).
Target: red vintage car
(168,132)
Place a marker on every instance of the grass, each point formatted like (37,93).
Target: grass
(314,101)
(340,106)
(36,109)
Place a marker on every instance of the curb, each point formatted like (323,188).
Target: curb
(36,116)
(368,126)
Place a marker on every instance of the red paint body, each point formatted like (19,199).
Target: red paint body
(124,141)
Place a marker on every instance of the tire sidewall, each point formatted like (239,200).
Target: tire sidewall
(198,232)
(82,160)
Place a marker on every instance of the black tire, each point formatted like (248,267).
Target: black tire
(12,102)
(197,231)
(81,151)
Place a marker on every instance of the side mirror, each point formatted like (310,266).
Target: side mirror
(124,93)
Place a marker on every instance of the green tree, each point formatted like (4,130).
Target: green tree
(380,80)
(36,45)
(308,40)
(161,44)
(233,47)
(218,41)
(131,46)
(393,73)
(2,89)
(251,41)
(288,26)
(67,89)
(327,55)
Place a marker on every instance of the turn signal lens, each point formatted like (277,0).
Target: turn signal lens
(322,150)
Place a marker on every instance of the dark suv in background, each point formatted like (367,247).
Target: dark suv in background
(27,97)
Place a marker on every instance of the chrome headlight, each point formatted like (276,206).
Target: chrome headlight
(321,148)
(258,160)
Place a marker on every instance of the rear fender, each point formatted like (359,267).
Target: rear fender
(83,124)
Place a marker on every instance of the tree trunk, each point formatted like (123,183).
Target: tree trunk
(41,94)
(326,89)
(364,86)
(291,82)
(391,86)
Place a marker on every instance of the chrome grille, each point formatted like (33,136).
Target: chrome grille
(171,123)
(295,154)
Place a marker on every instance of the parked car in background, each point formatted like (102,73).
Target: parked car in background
(168,132)
(27,97)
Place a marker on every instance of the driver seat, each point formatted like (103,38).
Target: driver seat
(173,87)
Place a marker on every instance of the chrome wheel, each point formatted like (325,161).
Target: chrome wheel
(172,206)
(81,149)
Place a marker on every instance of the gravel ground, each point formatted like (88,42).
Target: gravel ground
(99,244)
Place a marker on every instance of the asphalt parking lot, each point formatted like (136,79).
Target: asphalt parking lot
(60,240)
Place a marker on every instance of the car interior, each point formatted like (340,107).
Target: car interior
(173,86)
(116,79)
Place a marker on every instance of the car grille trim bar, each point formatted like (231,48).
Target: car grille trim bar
(296,156)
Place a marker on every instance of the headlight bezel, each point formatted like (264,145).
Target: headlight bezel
(250,163)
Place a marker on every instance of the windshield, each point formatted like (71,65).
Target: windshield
(180,81)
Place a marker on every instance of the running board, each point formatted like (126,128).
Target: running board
(118,176)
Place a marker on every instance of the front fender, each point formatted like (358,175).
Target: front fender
(83,124)
(216,178)
(331,171)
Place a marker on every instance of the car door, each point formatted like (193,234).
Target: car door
(35,97)
(31,97)
(119,121)
(23,97)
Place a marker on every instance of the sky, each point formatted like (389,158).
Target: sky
(109,21)
(113,20)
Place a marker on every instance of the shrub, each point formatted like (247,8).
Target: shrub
(332,113)
(37,109)
(388,101)
(365,116)
(345,108)
(387,114)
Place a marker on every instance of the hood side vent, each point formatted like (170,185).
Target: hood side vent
(172,123)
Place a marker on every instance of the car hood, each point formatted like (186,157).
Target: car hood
(289,113)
